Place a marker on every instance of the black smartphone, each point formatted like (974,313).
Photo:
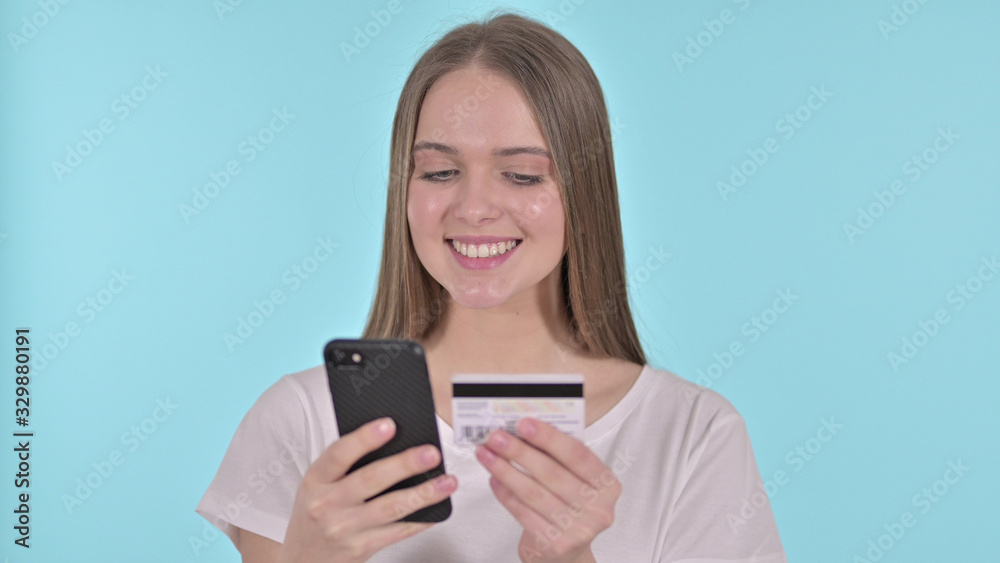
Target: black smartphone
(370,379)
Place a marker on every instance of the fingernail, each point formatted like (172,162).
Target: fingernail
(498,440)
(429,457)
(487,455)
(527,427)
(445,483)
(385,427)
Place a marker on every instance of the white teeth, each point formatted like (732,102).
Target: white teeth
(483,250)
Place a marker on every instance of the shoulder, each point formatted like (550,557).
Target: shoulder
(293,394)
(690,412)
(684,396)
(309,386)
(297,409)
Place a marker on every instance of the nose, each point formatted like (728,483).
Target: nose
(475,200)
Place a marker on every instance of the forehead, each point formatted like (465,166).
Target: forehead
(474,107)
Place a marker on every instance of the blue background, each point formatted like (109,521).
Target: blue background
(214,77)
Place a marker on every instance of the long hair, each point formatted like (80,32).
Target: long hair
(568,104)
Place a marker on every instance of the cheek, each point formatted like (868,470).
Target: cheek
(541,213)
(424,211)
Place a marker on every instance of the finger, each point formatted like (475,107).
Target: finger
(568,451)
(398,504)
(528,490)
(542,467)
(387,509)
(335,460)
(529,519)
(378,476)
(575,525)
(546,533)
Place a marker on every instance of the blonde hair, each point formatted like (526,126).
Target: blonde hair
(568,104)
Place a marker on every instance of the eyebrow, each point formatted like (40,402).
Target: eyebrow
(497,153)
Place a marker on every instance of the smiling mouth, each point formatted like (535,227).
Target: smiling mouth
(484,250)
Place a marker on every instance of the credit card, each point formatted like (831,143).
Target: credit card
(483,403)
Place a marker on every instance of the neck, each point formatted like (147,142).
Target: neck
(529,333)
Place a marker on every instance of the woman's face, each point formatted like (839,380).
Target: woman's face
(483,178)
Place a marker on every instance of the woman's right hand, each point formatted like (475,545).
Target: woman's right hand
(330,519)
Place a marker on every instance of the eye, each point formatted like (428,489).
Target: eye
(440,176)
(523,179)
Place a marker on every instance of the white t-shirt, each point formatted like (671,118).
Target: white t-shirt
(691,491)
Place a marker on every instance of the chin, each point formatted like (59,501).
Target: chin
(478,297)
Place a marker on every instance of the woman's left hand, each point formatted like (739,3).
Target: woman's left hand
(564,500)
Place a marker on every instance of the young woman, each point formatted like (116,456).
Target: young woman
(503,254)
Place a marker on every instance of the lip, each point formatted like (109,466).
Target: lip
(481,239)
(481,263)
